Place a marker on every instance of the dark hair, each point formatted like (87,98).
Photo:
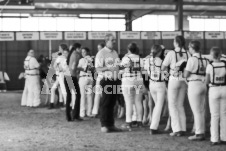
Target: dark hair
(216,52)
(195,45)
(73,48)
(157,49)
(132,47)
(101,44)
(181,42)
(86,49)
(64,46)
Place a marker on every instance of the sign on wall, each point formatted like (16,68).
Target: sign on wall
(51,36)
(129,35)
(75,35)
(170,34)
(27,36)
(193,35)
(150,35)
(99,35)
(6,36)
(214,35)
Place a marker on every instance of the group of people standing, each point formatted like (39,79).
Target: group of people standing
(90,84)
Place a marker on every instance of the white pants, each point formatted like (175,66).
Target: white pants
(86,103)
(59,84)
(158,93)
(97,98)
(31,93)
(176,96)
(217,103)
(132,92)
(197,100)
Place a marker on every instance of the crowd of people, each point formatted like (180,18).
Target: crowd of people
(92,86)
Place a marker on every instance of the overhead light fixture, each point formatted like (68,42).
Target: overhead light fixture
(17,7)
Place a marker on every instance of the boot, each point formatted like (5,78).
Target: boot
(51,106)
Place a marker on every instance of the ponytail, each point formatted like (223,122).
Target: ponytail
(181,43)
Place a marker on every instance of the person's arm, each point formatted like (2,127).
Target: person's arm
(189,67)
(166,62)
(35,63)
(207,79)
(80,64)
(99,63)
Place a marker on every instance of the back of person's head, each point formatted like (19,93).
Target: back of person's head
(155,49)
(196,45)
(64,46)
(215,52)
(133,48)
(180,40)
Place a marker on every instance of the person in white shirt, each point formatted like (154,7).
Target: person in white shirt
(85,83)
(132,85)
(157,85)
(177,87)
(216,79)
(32,88)
(195,73)
(59,79)
(97,96)
(106,63)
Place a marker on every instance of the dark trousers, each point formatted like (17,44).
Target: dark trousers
(107,102)
(75,113)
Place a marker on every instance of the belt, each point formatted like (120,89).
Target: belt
(194,80)
(89,76)
(32,74)
(157,80)
(220,85)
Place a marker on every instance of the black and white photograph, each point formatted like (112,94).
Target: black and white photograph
(112,75)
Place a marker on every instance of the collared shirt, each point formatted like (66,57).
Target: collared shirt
(170,60)
(31,65)
(210,58)
(107,58)
(219,73)
(193,65)
(58,64)
(73,63)
(126,62)
(84,63)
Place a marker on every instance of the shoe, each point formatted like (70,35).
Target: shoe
(140,125)
(114,129)
(134,124)
(94,116)
(214,143)
(61,104)
(51,106)
(104,130)
(176,134)
(153,132)
(223,142)
(199,137)
(127,126)
(79,119)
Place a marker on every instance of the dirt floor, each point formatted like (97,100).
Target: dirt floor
(40,129)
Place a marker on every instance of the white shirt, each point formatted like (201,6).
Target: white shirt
(192,66)
(153,67)
(58,64)
(220,73)
(126,62)
(170,60)
(31,66)
(107,58)
(84,63)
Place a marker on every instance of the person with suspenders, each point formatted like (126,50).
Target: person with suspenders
(59,83)
(216,79)
(132,84)
(157,85)
(195,72)
(177,87)
(32,88)
(85,83)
